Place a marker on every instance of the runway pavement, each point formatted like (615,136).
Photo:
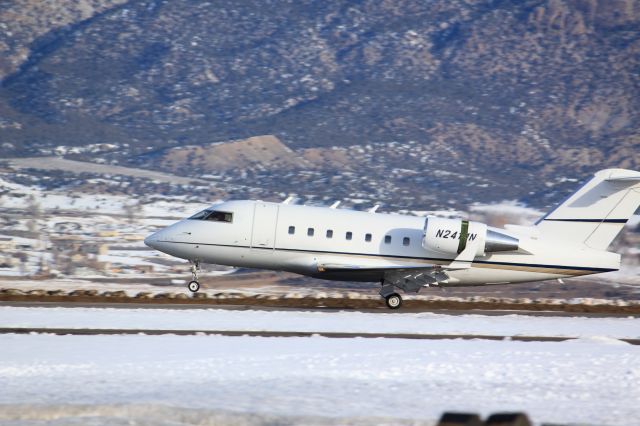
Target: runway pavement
(381,309)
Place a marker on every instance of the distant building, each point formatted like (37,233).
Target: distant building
(67,227)
(8,262)
(101,266)
(7,244)
(108,234)
(144,269)
(68,243)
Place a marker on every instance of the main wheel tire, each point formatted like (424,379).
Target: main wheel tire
(193,286)
(394,301)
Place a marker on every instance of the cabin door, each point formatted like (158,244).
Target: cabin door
(265,216)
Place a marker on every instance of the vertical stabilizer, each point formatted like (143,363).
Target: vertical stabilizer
(597,212)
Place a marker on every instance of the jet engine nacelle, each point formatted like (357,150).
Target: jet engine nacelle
(453,236)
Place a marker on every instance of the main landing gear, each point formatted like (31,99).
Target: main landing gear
(194,285)
(392,299)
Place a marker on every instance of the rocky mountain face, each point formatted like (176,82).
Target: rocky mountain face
(519,94)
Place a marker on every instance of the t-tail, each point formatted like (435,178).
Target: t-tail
(597,212)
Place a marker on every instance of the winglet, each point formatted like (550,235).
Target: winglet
(288,200)
(335,205)
(374,208)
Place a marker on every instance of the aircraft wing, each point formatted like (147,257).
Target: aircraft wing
(413,279)
(407,277)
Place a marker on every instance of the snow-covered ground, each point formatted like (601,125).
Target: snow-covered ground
(591,380)
(81,202)
(314,321)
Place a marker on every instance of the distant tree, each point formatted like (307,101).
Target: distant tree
(56,254)
(44,264)
(131,211)
(32,225)
(34,208)
(35,215)
(23,258)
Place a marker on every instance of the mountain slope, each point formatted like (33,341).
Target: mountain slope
(516,91)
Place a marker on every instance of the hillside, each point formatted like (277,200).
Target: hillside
(514,94)
(255,152)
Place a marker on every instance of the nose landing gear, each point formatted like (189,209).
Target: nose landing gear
(194,285)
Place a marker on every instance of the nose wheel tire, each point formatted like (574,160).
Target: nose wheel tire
(193,286)
(394,301)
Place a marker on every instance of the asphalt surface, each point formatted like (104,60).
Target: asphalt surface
(380,310)
(262,333)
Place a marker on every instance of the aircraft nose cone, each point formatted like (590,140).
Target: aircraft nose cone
(151,240)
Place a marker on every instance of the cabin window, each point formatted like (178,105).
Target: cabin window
(406,241)
(329,233)
(387,239)
(367,238)
(292,230)
(214,216)
(349,235)
(310,232)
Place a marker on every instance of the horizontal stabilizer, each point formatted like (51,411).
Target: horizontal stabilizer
(623,175)
(596,213)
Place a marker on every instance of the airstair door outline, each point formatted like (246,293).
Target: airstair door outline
(265,217)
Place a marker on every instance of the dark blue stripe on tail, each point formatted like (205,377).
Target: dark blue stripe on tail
(590,220)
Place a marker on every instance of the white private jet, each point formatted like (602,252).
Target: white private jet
(407,252)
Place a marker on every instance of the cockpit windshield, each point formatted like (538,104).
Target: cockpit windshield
(213,215)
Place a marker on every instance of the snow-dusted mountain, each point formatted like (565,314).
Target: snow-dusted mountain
(508,94)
